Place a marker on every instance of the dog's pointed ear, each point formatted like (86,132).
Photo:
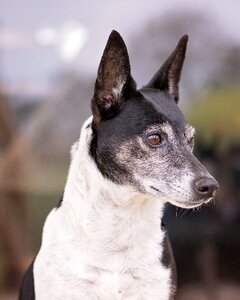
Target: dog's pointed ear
(114,84)
(168,76)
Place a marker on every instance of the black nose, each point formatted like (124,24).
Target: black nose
(206,186)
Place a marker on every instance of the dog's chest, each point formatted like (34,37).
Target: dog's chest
(69,269)
(74,279)
(105,285)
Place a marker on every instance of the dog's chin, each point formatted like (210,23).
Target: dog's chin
(191,204)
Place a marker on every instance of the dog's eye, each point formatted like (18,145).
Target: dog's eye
(154,139)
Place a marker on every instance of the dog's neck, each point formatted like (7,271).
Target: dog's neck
(104,241)
(102,209)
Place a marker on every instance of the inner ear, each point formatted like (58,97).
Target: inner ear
(168,76)
(114,84)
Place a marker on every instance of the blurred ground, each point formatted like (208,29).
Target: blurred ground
(8,296)
(224,291)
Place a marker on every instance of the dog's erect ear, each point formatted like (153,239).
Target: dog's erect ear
(114,84)
(168,76)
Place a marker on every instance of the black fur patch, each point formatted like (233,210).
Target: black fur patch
(165,106)
(169,262)
(27,291)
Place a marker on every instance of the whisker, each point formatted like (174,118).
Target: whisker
(185,211)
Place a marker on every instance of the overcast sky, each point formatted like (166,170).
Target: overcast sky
(36,36)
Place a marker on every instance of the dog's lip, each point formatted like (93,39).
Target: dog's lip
(188,204)
(194,204)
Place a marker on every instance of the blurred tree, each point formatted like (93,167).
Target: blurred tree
(216,115)
(210,50)
(56,124)
(228,72)
(13,207)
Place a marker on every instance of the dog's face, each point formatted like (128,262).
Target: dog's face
(140,136)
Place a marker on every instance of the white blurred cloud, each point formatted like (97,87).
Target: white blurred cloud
(69,39)
(46,36)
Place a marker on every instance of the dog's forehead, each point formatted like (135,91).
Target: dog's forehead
(164,105)
(147,109)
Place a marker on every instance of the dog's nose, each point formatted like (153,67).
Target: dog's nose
(206,186)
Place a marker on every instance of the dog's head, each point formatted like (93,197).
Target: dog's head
(140,137)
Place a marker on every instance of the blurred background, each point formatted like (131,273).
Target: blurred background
(49,54)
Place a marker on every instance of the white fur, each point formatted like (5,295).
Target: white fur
(189,131)
(117,90)
(104,242)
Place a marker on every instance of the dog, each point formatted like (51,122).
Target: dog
(105,240)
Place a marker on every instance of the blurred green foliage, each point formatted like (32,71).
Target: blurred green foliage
(216,115)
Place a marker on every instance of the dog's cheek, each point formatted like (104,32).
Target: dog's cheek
(145,167)
(131,157)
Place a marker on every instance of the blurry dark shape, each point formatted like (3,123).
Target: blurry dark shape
(13,205)
(207,264)
(228,72)
(7,123)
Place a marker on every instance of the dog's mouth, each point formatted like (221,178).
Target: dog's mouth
(186,204)
(193,204)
